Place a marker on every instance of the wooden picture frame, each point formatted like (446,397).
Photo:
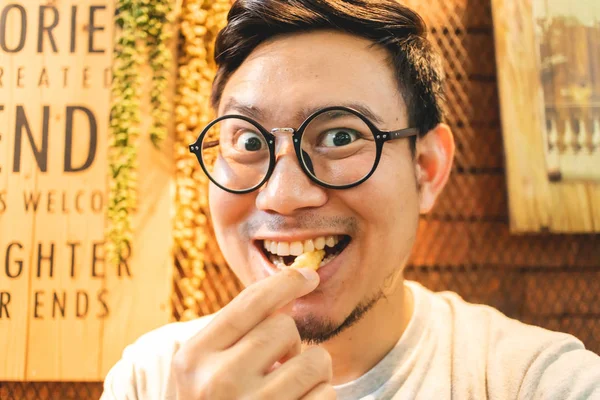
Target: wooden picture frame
(553,172)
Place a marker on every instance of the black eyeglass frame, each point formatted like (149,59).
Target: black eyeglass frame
(381,137)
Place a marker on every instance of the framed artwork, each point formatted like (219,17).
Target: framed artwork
(568,39)
(548,69)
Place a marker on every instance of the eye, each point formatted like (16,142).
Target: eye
(250,141)
(339,137)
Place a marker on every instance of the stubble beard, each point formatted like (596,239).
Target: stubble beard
(316,330)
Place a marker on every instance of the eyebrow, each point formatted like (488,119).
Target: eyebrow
(259,114)
(253,112)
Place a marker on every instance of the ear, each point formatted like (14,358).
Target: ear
(434,157)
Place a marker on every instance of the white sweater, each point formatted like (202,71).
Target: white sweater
(450,349)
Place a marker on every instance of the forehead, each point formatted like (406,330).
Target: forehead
(291,73)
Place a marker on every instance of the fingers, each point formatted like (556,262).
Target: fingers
(253,305)
(322,392)
(298,376)
(234,355)
(273,339)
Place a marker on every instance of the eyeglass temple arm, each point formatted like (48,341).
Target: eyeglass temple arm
(402,133)
(205,145)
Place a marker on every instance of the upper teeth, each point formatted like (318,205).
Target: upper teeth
(297,248)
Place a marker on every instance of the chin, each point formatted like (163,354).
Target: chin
(315,328)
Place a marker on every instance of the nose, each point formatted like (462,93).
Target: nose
(289,189)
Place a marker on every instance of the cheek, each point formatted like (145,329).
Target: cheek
(220,219)
(392,190)
(227,209)
(228,212)
(390,216)
(401,203)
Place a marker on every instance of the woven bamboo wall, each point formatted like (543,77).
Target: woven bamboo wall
(464,245)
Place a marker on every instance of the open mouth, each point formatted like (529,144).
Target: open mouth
(283,254)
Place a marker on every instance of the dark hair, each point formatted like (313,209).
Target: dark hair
(385,22)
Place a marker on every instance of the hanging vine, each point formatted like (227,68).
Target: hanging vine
(153,17)
(137,21)
(201,20)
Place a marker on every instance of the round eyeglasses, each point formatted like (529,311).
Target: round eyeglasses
(337,147)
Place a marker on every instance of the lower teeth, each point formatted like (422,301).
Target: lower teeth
(327,259)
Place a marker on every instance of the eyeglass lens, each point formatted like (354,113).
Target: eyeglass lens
(338,148)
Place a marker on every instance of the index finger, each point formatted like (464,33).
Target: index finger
(254,304)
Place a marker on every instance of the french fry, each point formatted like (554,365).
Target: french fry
(309,260)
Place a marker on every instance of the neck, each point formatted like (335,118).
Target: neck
(360,347)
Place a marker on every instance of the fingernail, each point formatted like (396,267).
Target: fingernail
(310,274)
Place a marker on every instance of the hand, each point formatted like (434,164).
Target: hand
(234,357)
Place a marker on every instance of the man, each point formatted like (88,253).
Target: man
(330,136)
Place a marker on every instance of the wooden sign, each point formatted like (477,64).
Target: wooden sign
(548,191)
(65,313)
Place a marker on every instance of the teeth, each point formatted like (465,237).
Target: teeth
(309,246)
(283,248)
(278,261)
(297,248)
(327,259)
(330,241)
(320,243)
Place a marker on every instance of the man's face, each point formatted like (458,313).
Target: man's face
(281,79)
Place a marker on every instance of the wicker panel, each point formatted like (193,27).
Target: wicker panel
(464,245)
(477,147)
(444,242)
(465,54)
(471,197)
(50,391)
(455,14)
(473,114)
(552,293)
(502,288)
(472,101)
